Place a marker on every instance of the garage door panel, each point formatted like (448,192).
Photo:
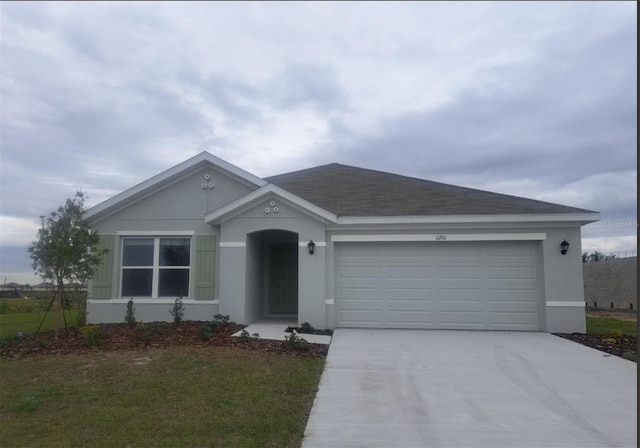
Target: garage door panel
(459,272)
(457,293)
(513,295)
(410,305)
(362,305)
(409,272)
(360,272)
(410,294)
(511,272)
(361,318)
(514,318)
(360,294)
(412,317)
(408,283)
(455,285)
(461,318)
(512,284)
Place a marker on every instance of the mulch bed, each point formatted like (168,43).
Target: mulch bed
(624,346)
(147,336)
(189,333)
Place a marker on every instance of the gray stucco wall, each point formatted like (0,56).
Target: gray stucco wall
(238,264)
(608,282)
(178,205)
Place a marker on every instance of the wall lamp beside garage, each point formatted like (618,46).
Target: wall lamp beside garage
(311,247)
(564,247)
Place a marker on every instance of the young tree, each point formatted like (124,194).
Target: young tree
(66,249)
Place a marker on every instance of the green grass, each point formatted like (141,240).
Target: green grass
(12,323)
(604,325)
(214,396)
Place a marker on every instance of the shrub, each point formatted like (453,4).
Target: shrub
(296,341)
(205,332)
(244,334)
(221,318)
(81,312)
(4,307)
(616,333)
(129,316)
(20,308)
(306,327)
(177,311)
(92,335)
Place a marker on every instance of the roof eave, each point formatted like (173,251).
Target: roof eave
(578,218)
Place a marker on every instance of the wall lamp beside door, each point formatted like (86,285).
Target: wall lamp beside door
(311,247)
(564,247)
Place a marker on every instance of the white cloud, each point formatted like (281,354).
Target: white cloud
(18,231)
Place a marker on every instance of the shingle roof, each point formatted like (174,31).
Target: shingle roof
(350,191)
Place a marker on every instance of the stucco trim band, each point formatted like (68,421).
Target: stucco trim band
(440,237)
(565,303)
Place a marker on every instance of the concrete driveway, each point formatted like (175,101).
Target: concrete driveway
(415,388)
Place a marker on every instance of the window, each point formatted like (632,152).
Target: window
(155,267)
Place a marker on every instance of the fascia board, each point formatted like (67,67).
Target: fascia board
(581,218)
(237,206)
(149,184)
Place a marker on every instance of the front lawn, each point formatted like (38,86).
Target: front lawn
(12,323)
(604,325)
(175,396)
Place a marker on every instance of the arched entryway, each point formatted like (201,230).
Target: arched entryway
(272,274)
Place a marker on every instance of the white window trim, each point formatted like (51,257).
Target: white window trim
(155,277)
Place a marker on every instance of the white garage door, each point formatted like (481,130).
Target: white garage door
(452,285)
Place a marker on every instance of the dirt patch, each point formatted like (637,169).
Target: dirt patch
(120,337)
(626,315)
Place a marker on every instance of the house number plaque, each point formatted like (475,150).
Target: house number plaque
(441,237)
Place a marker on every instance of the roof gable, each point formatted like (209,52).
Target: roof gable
(350,191)
(167,177)
(238,206)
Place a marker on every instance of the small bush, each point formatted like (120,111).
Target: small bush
(92,335)
(221,318)
(19,308)
(129,316)
(6,341)
(296,341)
(177,311)
(4,307)
(616,333)
(306,327)
(244,334)
(205,332)
(81,312)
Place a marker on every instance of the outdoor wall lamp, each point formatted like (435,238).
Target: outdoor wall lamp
(564,247)
(311,246)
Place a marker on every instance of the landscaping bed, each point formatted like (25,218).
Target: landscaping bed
(145,336)
(624,346)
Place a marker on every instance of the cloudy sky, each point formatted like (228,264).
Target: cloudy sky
(530,99)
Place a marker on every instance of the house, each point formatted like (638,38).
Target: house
(337,246)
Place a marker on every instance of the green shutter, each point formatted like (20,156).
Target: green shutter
(103,276)
(205,266)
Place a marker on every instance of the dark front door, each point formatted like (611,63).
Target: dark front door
(283,279)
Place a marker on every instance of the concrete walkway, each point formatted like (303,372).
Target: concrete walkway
(275,329)
(415,388)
